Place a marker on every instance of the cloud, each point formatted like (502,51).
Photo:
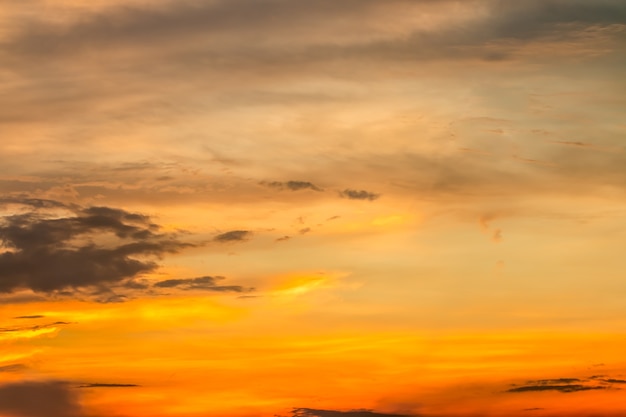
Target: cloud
(293,185)
(30,317)
(103,385)
(562,388)
(47,252)
(16,367)
(282,238)
(201,283)
(359,195)
(300,40)
(310,412)
(566,385)
(233,236)
(615,381)
(39,399)
(33,328)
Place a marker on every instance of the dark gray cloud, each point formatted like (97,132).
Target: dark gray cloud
(311,412)
(293,185)
(359,195)
(615,381)
(567,385)
(90,246)
(30,317)
(555,381)
(104,385)
(206,283)
(561,388)
(39,399)
(233,236)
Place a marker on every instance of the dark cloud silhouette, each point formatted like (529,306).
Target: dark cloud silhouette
(359,195)
(615,381)
(293,185)
(233,236)
(554,381)
(282,238)
(567,388)
(103,385)
(311,412)
(16,367)
(201,283)
(222,34)
(32,328)
(39,399)
(87,247)
(29,317)
(568,385)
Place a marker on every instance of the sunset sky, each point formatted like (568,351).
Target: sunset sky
(312,208)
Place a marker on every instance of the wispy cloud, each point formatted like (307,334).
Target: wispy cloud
(311,412)
(359,195)
(105,385)
(566,385)
(206,283)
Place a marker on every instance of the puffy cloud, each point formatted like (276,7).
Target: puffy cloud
(46,251)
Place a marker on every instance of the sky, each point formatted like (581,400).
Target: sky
(312,208)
